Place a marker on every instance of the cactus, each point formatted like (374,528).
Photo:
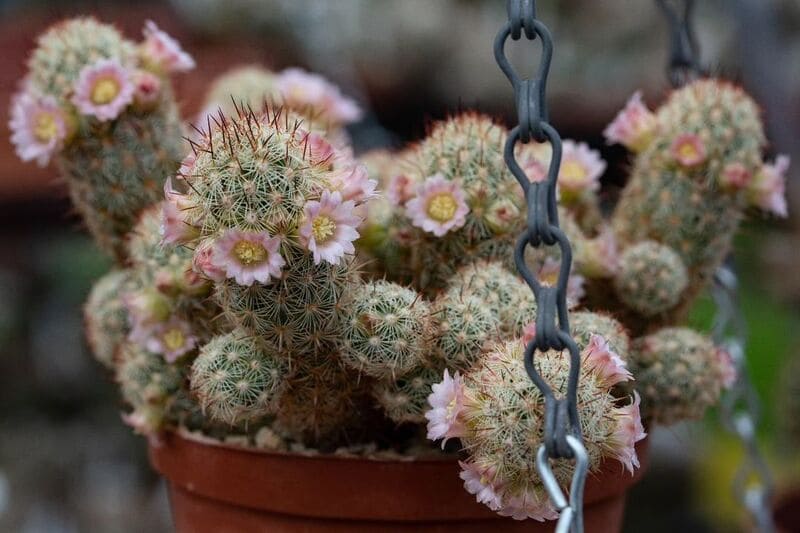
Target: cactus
(387,332)
(247,86)
(237,378)
(675,196)
(497,413)
(679,373)
(124,133)
(584,324)
(463,328)
(405,400)
(105,316)
(651,278)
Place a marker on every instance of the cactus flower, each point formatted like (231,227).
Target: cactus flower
(477,482)
(162,52)
(302,90)
(735,176)
(527,505)
(688,150)
(767,188)
(39,127)
(400,189)
(628,432)
(248,257)
(633,127)
(581,168)
(548,274)
(605,362)
(103,90)
(202,262)
(172,339)
(175,229)
(147,88)
(329,228)
(727,368)
(439,206)
(353,182)
(317,147)
(447,402)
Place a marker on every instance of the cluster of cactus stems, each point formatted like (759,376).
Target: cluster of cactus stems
(279,284)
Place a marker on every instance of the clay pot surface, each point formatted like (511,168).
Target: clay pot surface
(219,488)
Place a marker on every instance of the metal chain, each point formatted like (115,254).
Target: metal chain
(740,408)
(752,485)
(562,433)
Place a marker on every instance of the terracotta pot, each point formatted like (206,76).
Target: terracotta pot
(215,488)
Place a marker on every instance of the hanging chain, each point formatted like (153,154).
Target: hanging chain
(752,485)
(740,409)
(562,433)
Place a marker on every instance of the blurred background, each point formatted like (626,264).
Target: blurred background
(66,461)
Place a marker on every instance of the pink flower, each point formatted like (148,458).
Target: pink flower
(172,339)
(317,147)
(303,90)
(39,128)
(688,150)
(353,183)
(175,229)
(601,258)
(146,309)
(329,227)
(187,166)
(527,505)
(581,168)
(528,333)
(400,189)
(548,275)
(103,90)
(735,176)
(147,87)
(248,256)
(447,402)
(628,432)
(477,481)
(202,262)
(767,189)
(140,422)
(162,51)
(439,206)
(605,362)
(633,127)
(726,367)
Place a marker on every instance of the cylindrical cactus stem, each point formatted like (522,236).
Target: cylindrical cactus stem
(237,378)
(679,374)
(405,400)
(463,328)
(113,125)
(105,316)
(651,278)
(385,330)
(676,195)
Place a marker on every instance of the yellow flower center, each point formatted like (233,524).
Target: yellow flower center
(249,252)
(573,171)
(173,339)
(442,207)
(105,90)
(45,126)
(323,228)
(688,152)
(451,407)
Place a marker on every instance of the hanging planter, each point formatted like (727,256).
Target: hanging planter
(238,306)
(241,489)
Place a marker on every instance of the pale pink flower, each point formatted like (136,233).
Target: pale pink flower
(303,90)
(400,189)
(607,365)
(439,206)
(202,262)
(581,168)
(688,150)
(329,227)
(447,403)
(633,127)
(601,257)
(317,148)
(528,333)
(735,176)
(628,432)
(503,216)
(527,505)
(146,309)
(140,422)
(187,166)
(172,339)
(162,51)
(175,229)
(147,88)
(103,90)
(726,368)
(767,188)
(478,481)
(248,256)
(353,182)
(548,275)
(39,128)
(535,170)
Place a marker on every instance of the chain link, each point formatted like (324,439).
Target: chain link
(562,433)
(740,409)
(752,485)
